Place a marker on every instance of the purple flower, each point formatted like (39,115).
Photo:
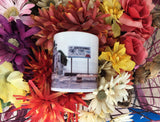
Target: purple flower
(15,42)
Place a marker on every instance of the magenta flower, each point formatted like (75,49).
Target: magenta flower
(15,42)
(16,9)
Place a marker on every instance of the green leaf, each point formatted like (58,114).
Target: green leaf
(116,29)
(4,104)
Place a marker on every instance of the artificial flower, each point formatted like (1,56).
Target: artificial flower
(9,115)
(72,101)
(136,17)
(46,3)
(134,47)
(72,17)
(106,70)
(118,57)
(15,42)
(123,118)
(12,83)
(39,66)
(16,9)
(43,106)
(86,116)
(156,16)
(120,86)
(112,7)
(99,101)
(156,2)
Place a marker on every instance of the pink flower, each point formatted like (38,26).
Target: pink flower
(134,47)
(136,17)
(16,9)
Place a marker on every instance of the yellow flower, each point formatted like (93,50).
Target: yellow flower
(118,57)
(11,83)
(112,7)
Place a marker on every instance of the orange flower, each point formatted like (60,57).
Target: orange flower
(44,107)
(40,65)
(73,17)
(72,101)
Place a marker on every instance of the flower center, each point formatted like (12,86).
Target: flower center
(14,42)
(101,95)
(12,11)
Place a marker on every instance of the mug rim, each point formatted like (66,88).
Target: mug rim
(82,32)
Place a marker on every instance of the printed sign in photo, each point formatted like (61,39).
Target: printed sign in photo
(79,52)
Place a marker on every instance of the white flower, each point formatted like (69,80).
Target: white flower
(86,116)
(99,102)
(121,88)
(105,98)
(123,118)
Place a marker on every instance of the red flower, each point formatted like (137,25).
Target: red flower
(72,101)
(137,17)
(75,16)
(44,107)
(40,64)
(134,47)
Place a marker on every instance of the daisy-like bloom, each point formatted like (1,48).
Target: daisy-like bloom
(117,88)
(11,83)
(118,58)
(99,101)
(106,70)
(44,106)
(112,7)
(123,118)
(15,42)
(72,17)
(16,9)
(86,116)
(105,98)
(39,66)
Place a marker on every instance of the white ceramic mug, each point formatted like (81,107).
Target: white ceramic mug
(75,61)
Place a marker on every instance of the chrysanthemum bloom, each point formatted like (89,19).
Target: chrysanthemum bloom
(112,7)
(123,118)
(44,107)
(11,83)
(16,9)
(99,101)
(15,42)
(117,88)
(106,70)
(73,17)
(86,116)
(39,66)
(118,58)
(72,101)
